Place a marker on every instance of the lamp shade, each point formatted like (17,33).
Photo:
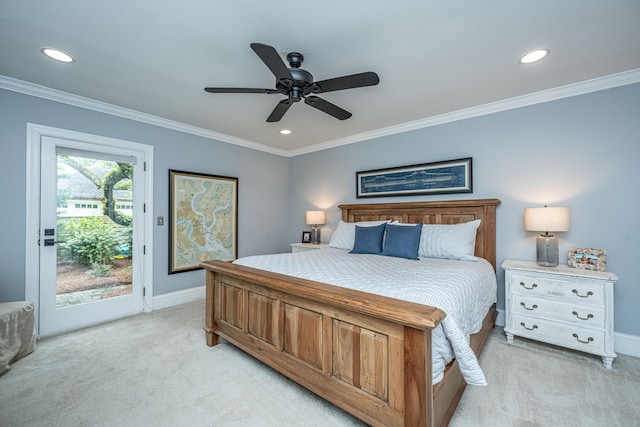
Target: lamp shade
(315,217)
(546,219)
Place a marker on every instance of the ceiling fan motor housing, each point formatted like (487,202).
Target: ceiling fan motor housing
(301,77)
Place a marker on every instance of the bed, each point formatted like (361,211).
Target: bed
(369,354)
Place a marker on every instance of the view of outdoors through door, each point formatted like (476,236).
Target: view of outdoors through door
(94,229)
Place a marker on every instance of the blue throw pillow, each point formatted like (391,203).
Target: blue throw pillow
(402,241)
(368,240)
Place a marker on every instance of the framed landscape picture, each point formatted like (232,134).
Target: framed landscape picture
(451,176)
(203,217)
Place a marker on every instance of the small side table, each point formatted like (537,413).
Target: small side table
(560,305)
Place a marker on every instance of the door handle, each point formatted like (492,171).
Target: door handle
(51,242)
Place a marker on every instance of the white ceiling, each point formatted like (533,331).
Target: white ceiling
(433,57)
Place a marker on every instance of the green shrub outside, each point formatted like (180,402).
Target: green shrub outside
(91,240)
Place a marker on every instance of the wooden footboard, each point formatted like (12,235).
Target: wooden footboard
(369,355)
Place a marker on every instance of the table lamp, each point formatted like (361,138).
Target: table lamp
(315,218)
(546,219)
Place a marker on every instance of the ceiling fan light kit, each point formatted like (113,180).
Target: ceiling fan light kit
(297,84)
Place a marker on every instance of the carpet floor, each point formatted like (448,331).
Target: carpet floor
(155,369)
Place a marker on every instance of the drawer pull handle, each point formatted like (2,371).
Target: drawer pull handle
(525,286)
(589,316)
(531,329)
(575,291)
(583,342)
(533,307)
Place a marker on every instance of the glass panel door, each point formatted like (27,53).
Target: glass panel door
(89,256)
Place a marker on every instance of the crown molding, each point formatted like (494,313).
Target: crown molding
(126,113)
(587,86)
(574,89)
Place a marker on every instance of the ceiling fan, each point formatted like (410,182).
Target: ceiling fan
(297,84)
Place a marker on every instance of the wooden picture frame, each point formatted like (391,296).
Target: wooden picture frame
(587,259)
(445,177)
(306,237)
(203,218)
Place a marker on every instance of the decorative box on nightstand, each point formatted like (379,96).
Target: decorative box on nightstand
(301,247)
(563,306)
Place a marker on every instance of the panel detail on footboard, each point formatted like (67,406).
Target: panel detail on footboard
(303,333)
(231,300)
(263,313)
(361,358)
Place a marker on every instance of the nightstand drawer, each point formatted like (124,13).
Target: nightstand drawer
(566,335)
(578,290)
(581,314)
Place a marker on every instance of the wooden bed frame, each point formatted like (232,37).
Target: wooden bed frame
(367,354)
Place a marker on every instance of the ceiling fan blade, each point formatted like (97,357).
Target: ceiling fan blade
(346,82)
(239,90)
(327,107)
(273,61)
(278,112)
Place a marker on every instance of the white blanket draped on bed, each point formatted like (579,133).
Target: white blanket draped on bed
(464,290)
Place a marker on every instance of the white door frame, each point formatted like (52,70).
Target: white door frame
(32,252)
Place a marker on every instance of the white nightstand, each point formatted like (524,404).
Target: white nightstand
(301,247)
(563,306)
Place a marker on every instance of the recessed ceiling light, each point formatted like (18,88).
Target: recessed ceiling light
(285,131)
(56,54)
(534,56)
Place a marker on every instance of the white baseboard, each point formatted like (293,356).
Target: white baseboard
(626,344)
(179,297)
(622,343)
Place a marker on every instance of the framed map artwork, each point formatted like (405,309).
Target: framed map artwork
(203,215)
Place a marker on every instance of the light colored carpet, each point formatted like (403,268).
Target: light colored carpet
(534,384)
(156,370)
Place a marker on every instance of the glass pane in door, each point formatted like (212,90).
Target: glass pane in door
(94,229)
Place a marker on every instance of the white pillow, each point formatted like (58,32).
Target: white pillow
(450,241)
(345,234)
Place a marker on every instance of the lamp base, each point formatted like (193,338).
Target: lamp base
(547,250)
(315,235)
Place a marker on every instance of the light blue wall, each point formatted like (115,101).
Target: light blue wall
(582,152)
(263,184)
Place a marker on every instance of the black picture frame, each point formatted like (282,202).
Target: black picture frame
(306,237)
(444,177)
(203,219)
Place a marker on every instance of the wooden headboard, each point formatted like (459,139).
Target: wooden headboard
(444,212)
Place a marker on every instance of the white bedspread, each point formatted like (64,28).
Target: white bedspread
(464,290)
